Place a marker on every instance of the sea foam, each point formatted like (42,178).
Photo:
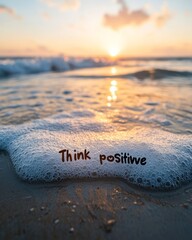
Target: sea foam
(34,151)
(12,66)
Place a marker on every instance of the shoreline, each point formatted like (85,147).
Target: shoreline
(90,209)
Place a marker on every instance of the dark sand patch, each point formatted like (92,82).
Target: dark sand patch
(90,209)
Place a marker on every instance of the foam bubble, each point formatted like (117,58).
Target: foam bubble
(34,150)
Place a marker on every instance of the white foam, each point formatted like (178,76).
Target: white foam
(34,150)
(39,65)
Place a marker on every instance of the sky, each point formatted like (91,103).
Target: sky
(99,28)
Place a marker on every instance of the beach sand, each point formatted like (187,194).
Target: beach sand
(90,209)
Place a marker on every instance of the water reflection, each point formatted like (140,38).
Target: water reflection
(113,71)
(113,93)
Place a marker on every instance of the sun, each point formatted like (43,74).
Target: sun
(113,52)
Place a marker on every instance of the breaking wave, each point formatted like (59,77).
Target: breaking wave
(12,66)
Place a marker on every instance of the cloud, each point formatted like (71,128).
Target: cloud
(125,17)
(163,17)
(9,11)
(63,5)
(32,49)
(43,48)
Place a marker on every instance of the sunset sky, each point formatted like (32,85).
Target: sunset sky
(96,28)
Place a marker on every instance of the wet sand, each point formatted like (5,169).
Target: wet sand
(90,209)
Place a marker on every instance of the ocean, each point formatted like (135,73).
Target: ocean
(141,106)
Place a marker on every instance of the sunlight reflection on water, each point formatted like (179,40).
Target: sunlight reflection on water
(126,102)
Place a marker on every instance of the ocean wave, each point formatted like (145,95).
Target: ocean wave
(142,75)
(160,74)
(12,66)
